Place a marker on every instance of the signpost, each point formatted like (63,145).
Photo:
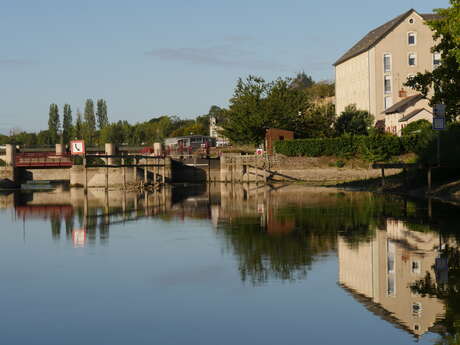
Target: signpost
(439,124)
(77,147)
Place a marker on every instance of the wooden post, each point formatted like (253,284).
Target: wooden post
(163,178)
(429,179)
(107,175)
(123,172)
(85,171)
(155,162)
(145,170)
(383,177)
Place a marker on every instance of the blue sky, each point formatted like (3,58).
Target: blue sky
(148,58)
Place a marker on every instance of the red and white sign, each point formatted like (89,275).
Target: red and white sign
(79,238)
(259,152)
(77,147)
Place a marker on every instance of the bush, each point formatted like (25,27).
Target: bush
(373,148)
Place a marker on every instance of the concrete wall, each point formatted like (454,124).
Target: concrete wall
(46,174)
(97,176)
(7,173)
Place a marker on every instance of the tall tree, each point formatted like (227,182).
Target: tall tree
(353,121)
(53,124)
(302,81)
(78,129)
(257,105)
(67,127)
(444,80)
(101,114)
(89,126)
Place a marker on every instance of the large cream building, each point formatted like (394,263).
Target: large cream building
(372,73)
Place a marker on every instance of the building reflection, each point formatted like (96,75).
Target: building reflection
(379,274)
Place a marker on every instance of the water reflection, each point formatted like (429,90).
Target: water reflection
(397,258)
(379,274)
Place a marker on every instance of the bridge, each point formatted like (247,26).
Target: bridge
(43,160)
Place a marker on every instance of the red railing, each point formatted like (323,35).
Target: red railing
(43,159)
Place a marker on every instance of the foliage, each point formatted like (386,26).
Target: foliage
(257,105)
(67,128)
(78,129)
(101,114)
(353,121)
(89,125)
(445,79)
(53,124)
(377,147)
(416,127)
(301,81)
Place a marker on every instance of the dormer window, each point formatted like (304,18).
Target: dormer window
(411,38)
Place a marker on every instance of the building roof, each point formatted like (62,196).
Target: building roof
(376,35)
(402,104)
(411,114)
(378,310)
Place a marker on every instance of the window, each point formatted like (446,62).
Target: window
(411,21)
(387,63)
(417,309)
(391,272)
(411,38)
(436,59)
(388,102)
(387,84)
(416,327)
(416,267)
(412,59)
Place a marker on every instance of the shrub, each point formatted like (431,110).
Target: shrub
(374,147)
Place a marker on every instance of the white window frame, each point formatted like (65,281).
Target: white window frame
(410,34)
(409,57)
(385,55)
(385,78)
(434,59)
(390,103)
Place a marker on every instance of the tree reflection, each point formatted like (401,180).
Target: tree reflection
(289,237)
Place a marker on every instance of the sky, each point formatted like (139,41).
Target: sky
(149,58)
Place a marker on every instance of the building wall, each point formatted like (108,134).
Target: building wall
(352,83)
(396,44)
(392,121)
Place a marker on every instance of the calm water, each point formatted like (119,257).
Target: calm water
(282,265)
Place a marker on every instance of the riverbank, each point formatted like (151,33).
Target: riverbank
(445,187)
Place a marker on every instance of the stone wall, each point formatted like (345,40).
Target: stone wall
(7,173)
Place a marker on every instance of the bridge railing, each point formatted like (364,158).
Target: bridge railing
(43,159)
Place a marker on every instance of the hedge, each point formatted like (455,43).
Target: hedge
(373,148)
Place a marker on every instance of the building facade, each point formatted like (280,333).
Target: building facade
(373,72)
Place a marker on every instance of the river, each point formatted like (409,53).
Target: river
(285,264)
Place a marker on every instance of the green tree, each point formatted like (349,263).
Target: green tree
(101,114)
(257,105)
(53,124)
(67,128)
(89,127)
(78,129)
(302,81)
(443,83)
(416,127)
(353,121)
